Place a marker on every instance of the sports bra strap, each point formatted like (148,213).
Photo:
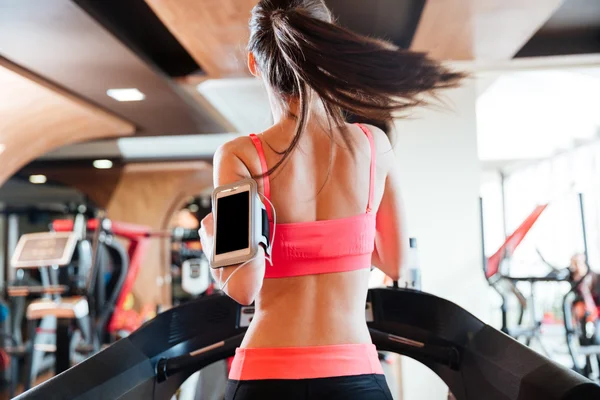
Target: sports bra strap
(373,164)
(263,165)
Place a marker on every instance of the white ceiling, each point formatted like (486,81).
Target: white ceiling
(535,114)
(243,102)
(145,148)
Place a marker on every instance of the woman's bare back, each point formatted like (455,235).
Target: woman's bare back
(322,180)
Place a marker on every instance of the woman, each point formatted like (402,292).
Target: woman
(336,195)
(587,303)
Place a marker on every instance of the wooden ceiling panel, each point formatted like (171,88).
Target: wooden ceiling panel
(97,185)
(58,40)
(480,30)
(214,32)
(446,30)
(36,117)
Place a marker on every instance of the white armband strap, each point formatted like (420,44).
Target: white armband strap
(265,239)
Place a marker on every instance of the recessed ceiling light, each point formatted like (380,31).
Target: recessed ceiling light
(102,164)
(129,94)
(37,179)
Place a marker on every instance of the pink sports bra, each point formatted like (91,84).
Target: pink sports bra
(321,247)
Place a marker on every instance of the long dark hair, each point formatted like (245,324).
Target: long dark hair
(301,53)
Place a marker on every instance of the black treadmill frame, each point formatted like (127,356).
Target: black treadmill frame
(475,360)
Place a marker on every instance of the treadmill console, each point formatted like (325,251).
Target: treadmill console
(35,250)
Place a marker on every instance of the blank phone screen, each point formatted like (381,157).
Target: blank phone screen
(233,220)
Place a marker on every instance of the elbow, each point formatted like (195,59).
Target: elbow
(391,268)
(393,273)
(243,291)
(246,285)
(395,276)
(242,294)
(242,299)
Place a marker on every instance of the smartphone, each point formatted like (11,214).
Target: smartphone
(237,228)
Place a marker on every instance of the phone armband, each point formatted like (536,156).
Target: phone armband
(231,231)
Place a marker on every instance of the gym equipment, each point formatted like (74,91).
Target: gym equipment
(49,251)
(195,276)
(475,360)
(9,352)
(185,235)
(190,269)
(114,317)
(578,342)
(534,332)
(73,315)
(505,285)
(38,284)
(191,279)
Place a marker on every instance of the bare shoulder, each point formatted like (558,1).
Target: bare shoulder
(385,152)
(231,160)
(382,142)
(234,147)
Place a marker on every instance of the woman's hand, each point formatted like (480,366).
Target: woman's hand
(207,235)
(207,240)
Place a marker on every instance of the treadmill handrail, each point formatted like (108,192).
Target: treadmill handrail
(197,359)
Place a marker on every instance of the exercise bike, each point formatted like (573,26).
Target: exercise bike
(69,320)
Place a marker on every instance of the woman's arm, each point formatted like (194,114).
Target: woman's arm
(244,286)
(390,243)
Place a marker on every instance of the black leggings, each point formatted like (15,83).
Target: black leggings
(360,387)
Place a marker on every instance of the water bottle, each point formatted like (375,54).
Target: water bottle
(413,276)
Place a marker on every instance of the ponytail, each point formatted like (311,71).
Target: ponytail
(301,53)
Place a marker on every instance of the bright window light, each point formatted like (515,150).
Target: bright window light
(102,164)
(38,179)
(129,94)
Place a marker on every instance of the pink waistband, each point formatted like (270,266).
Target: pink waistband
(305,362)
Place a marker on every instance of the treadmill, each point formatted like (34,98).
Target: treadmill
(475,360)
